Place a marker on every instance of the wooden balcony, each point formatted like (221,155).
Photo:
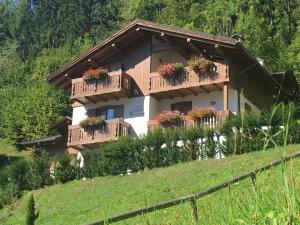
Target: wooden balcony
(188,83)
(209,122)
(111,131)
(114,87)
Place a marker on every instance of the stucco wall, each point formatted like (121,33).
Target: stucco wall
(202,100)
(136,112)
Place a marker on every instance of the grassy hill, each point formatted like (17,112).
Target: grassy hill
(80,202)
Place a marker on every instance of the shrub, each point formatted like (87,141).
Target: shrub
(14,179)
(65,171)
(93,163)
(152,153)
(40,170)
(122,155)
(171,152)
(8,192)
(191,147)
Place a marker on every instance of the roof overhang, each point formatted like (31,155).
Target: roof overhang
(214,44)
(42,141)
(62,77)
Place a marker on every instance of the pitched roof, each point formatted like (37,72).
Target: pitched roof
(61,78)
(149,26)
(41,141)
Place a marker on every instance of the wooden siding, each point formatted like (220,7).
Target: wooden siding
(112,130)
(136,63)
(115,86)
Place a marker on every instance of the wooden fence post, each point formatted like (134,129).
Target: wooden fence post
(195,210)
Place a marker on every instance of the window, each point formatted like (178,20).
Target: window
(182,107)
(110,113)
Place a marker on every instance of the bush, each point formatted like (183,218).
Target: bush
(191,143)
(65,171)
(152,153)
(40,170)
(14,179)
(93,163)
(123,155)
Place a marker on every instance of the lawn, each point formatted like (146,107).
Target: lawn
(80,202)
(7,149)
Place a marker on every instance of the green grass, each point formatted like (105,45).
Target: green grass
(80,202)
(8,149)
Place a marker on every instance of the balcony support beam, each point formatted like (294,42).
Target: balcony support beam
(219,88)
(176,45)
(225,96)
(80,101)
(192,91)
(198,50)
(117,49)
(90,99)
(140,32)
(205,89)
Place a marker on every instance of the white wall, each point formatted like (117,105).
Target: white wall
(202,100)
(136,112)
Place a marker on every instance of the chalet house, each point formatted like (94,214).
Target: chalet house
(131,89)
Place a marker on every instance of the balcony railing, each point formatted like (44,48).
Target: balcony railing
(189,82)
(112,130)
(113,86)
(207,122)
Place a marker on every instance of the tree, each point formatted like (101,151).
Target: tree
(31,215)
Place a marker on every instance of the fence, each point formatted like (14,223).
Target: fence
(193,197)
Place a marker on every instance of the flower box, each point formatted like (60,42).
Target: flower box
(170,69)
(92,122)
(200,113)
(95,74)
(170,118)
(201,65)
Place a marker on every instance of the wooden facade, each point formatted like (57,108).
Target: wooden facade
(132,56)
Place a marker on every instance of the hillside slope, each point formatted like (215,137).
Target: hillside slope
(80,202)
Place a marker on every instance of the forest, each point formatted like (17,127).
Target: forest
(39,36)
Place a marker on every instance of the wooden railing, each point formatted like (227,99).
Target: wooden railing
(113,83)
(207,122)
(112,130)
(193,197)
(189,78)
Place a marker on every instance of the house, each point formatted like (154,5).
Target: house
(131,92)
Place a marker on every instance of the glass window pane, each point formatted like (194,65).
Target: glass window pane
(110,113)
